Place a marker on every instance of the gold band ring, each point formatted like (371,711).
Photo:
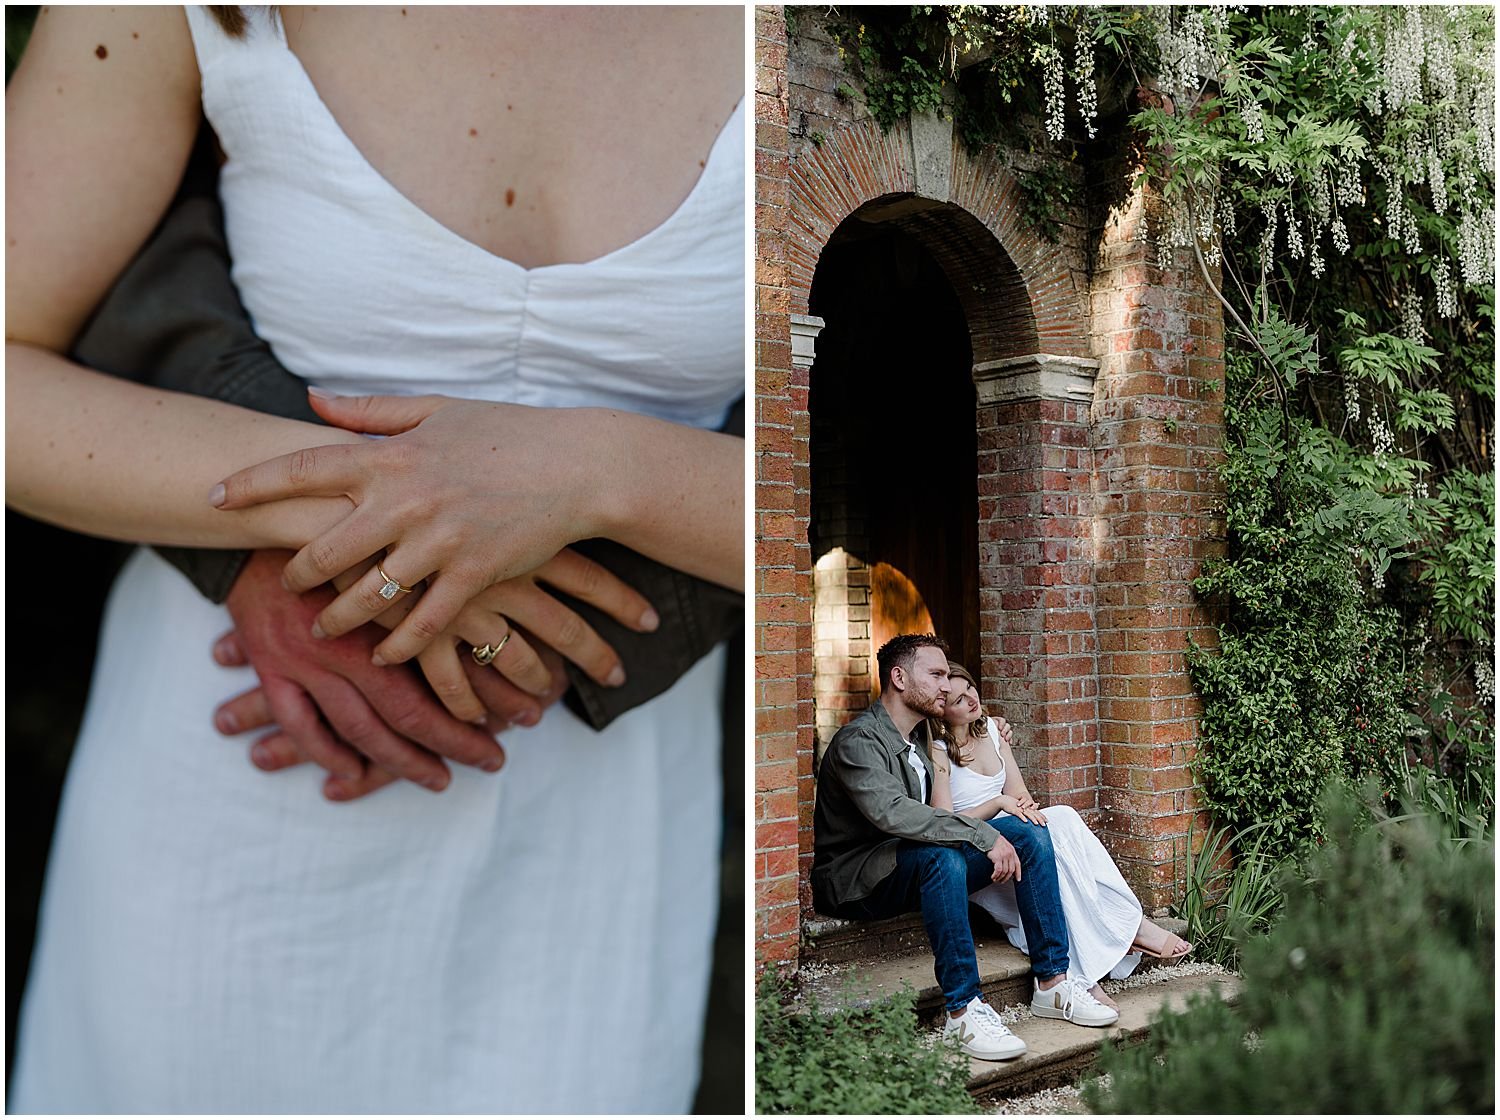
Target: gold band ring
(486,653)
(391,587)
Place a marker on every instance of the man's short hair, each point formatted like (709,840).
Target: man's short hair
(900,650)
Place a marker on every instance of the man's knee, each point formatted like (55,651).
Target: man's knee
(1031,841)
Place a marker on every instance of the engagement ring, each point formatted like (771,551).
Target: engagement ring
(391,586)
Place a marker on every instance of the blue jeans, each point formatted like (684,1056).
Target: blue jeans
(938,880)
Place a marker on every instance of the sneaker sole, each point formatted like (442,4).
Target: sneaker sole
(1056,1013)
(994,1057)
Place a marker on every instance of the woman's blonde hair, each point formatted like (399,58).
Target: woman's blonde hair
(938,729)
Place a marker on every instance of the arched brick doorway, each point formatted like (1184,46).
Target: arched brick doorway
(909,296)
(1096,436)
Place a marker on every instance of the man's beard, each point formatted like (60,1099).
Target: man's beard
(925,703)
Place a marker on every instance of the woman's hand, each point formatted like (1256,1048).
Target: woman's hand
(516,614)
(471,494)
(1015,808)
(465,492)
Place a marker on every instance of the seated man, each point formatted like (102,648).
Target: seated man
(880,849)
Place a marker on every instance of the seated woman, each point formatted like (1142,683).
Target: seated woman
(976,774)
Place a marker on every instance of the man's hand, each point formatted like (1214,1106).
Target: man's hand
(1007,863)
(387,715)
(1002,725)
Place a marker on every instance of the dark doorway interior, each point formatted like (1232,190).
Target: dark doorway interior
(893,443)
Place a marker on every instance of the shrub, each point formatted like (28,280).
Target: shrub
(1373,994)
(851,1060)
(1308,683)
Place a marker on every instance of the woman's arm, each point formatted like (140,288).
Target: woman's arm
(107,457)
(100,117)
(1015,784)
(942,790)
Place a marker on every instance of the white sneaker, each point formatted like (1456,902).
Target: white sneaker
(1071,1000)
(982,1034)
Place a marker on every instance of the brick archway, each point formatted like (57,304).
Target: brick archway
(1031,369)
(1097,379)
(1027,300)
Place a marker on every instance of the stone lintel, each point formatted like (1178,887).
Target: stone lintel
(1048,377)
(805,329)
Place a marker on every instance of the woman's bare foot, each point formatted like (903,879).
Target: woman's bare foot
(1098,992)
(1157,942)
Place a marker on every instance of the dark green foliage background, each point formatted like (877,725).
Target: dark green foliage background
(1373,994)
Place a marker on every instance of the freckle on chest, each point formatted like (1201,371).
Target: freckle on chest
(101,51)
(510,197)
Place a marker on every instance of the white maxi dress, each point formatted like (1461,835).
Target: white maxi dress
(1101,910)
(215,939)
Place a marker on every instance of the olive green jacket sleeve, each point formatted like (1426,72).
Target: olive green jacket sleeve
(868,800)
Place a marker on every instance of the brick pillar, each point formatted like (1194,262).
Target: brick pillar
(1158,437)
(843,679)
(1035,567)
(783,584)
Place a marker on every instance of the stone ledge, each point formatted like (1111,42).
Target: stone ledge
(1051,377)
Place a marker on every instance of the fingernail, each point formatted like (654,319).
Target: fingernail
(321,393)
(334,791)
(650,620)
(225,722)
(616,677)
(216,496)
(377,661)
(528,718)
(261,756)
(492,764)
(318,631)
(435,784)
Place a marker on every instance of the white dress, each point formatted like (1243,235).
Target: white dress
(216,939)
(1102,912)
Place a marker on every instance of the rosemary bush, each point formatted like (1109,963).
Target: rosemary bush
(870,1060)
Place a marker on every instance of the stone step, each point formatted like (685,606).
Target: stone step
(1057,1052)
(862,962)
(1004,975)
(836,941)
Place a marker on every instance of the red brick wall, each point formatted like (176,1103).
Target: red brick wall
(1037,596)
(1158,435)
(783,582)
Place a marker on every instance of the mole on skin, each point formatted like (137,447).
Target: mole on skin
(101,51)
(473,132)
(510,197)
